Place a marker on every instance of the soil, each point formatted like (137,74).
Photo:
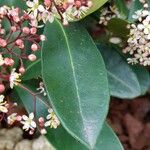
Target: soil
(130,119)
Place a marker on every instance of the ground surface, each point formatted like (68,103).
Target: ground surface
(12,139)
(131,121)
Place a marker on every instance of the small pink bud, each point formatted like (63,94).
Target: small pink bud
(32,57)
(26,30)
(3,42)
(2,88)
(19,118)
(41,120)
(16,19)
(47,2)
(26,16)
(65,6)
(8,61)
(34,47)
(13,29)
(78,4)
(42,37)
(33,30)
(19,42)
(21,46)
(22,70)
(31,132)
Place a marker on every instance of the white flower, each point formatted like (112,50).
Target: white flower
(46,16)
(107,14)
(3,104)
(12,118)
(33,7)
(41,89)
(28,122)
(138,41)
(38,12)
(14,78)
(53,121)
(1,60)
(138,15)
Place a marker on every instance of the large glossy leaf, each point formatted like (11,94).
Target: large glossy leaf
(121,5)
(76,81)
(59,137)
(123,82)
(107,140)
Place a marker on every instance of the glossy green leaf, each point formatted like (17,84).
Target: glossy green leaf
(96,5)
(143,78)
(26,95)
(33,70)
(118,27)
(16,3)
(107,140)
(121,5)
(59,137)
(123,82)
(76,81)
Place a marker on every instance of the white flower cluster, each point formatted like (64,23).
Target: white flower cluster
(139,38)
(30,123)
(41,89)
(107,14)
(53,121)
(75,10)
(68,10)
(39,12)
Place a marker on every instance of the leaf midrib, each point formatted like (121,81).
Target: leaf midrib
(74,76)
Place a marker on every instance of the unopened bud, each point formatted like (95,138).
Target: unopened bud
(26,30)
(32,57)
(3,42)
(33,30)
(22,70)
(34,47)
(2,88)
(8,61)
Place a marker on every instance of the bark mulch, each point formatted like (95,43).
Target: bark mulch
(130,119)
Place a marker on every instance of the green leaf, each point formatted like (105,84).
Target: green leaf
(143,78)
(28,94)
(76,81)
(33,70)
(120,29)
(59,137)
(16,3)
(107,140)
(96,5)
(121,5)
(123,82)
